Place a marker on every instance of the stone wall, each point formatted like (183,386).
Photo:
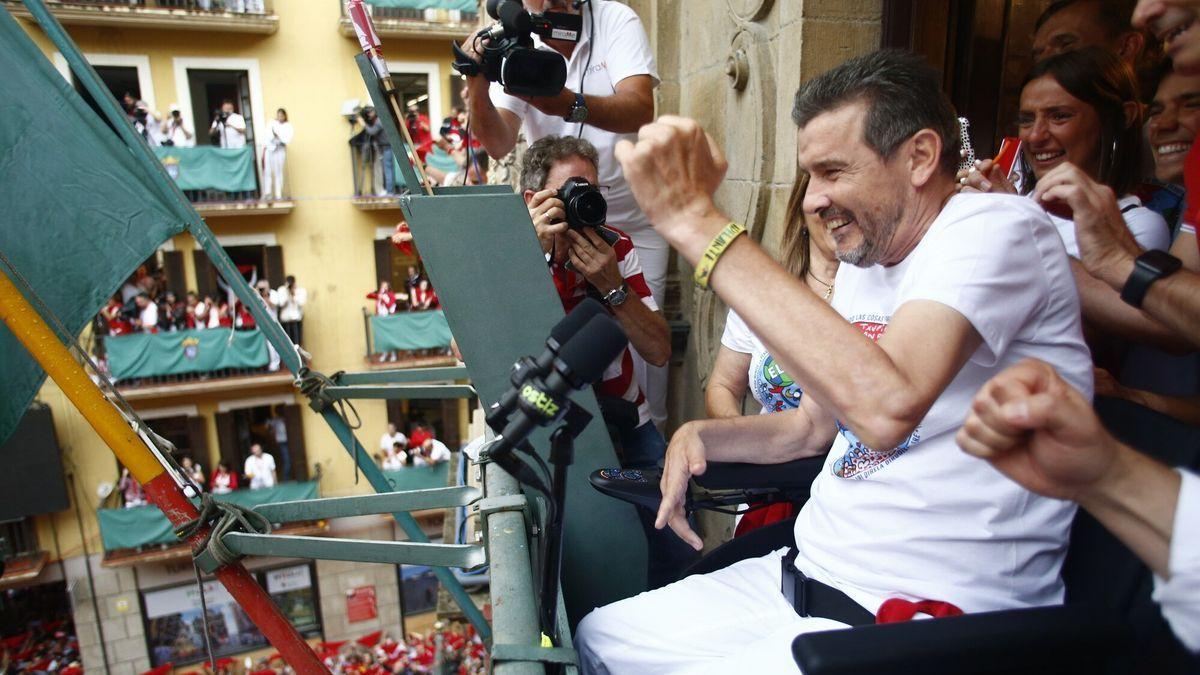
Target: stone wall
(120,613)
(335,578)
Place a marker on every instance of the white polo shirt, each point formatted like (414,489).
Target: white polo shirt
(620,50)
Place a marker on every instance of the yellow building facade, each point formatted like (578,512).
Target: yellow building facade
(297,55)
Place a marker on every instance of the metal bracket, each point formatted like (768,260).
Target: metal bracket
(400,391)
(533,654)
(356,550)
(362,505)
(486,507)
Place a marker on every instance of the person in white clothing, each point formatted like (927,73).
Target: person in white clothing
(434,451)
(275,153)
(391,437)
(147,321)
(228,127)
(291,298)
(1042,434)
(260,468)
(175,132)
(611,76)
(395,457)
(936,294)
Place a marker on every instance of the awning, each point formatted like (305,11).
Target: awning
(181,551)
(146,525)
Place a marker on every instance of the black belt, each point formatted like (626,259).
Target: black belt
(810,597)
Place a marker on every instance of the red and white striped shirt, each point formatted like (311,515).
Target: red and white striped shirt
(619,380)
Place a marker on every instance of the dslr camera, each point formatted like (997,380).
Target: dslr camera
(510,57)
(585,207)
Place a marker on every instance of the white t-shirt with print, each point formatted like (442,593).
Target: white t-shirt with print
(1148,228)
(773,388)
(928,521)
(621,50)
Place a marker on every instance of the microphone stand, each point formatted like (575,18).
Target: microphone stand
(562,454)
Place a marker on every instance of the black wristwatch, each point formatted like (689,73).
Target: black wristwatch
(578,112)
(1148,268)
(617,296)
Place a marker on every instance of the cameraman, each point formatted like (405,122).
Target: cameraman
(384,162)
(616,98)
(228,128)
(582,263)
(174,130)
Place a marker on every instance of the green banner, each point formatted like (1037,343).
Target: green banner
(419,477)
(145,525)
(461,5)
(80,212)
(410,330)
(208,168)
(186,351)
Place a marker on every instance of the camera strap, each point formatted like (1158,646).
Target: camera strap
(463,63)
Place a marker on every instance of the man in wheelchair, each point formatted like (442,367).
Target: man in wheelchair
(941,291)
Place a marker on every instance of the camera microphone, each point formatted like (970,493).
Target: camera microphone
(526,367)
(580,362)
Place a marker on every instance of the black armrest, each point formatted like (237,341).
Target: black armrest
(1064,639)
(796,474)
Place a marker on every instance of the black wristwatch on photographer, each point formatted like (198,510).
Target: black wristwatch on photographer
(617,296)
(1148,268)
(578,112)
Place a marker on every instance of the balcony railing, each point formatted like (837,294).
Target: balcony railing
(240,16)
(407,339)
(450,22)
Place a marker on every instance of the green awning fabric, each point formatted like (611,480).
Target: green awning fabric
(146,525)
(461,5)
(410,330)
(209,168)
(185,351)
(419,477)
(79,213)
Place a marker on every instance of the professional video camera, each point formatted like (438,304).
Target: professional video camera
(585,207)
(509,56)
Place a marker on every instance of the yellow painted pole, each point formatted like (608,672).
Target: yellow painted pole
(61,366)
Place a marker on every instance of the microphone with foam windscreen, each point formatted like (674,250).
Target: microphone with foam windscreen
(580,362)
(527,367)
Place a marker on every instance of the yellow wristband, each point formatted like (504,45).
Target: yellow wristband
(716,248)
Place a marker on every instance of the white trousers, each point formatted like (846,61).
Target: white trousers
(273,158)
(733,620)
(654,254)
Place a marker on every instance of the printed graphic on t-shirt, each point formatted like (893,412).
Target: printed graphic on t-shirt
(773,388)
(859,460)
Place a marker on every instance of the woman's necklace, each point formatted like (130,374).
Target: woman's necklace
(828,287)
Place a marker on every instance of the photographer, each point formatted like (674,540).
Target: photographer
(175,132)
(146,124)
(611,76)
(383,169)
(228,128)
(584,264)
(419,130)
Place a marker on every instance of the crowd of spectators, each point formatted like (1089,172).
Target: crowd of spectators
(144,305)
(455,649)
(43,647)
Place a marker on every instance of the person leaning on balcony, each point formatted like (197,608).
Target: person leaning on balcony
(223,481)
(275,153)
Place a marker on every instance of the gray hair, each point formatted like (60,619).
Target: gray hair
(903,96)
(545,152)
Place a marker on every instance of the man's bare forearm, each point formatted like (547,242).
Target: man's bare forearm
(647,330)
(621,113)
(1137,503)
(764,439)
(487,124)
